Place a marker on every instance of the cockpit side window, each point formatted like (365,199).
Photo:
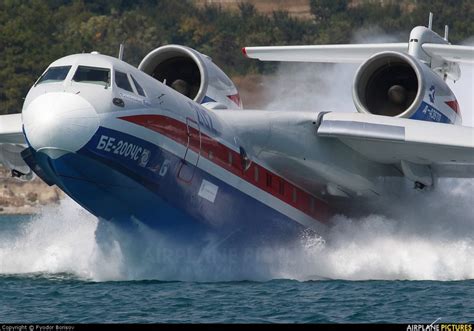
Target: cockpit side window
(54,74)
(138,87)
(122,81)
(92,75)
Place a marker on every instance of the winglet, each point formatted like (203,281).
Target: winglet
(446,32)
(244,51)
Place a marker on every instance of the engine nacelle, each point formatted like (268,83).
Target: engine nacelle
(398,85)
(192,74)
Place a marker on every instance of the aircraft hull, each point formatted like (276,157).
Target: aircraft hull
(166,193)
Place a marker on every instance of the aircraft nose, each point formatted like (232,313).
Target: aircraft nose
(59,122)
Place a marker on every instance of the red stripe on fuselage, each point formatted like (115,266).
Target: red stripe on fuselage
(230,160)
(454,105)
(236,99)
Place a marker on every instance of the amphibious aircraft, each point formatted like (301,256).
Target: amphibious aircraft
(168,143)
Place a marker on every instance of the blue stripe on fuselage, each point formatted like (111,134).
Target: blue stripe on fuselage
(428,113)
(117,186)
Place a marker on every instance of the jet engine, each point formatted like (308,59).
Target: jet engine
(192,74)
(398,85)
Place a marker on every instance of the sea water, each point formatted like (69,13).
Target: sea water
(413,264)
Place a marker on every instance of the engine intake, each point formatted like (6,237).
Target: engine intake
(398,85)
(388,84)
(192,74)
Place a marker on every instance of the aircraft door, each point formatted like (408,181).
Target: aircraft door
(193,151)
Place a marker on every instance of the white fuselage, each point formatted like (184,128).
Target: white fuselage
(215,158)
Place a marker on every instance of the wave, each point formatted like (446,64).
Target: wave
(424,236)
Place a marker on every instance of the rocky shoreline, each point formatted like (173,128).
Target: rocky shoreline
(25,198)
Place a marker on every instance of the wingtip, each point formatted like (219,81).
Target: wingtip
(244,52)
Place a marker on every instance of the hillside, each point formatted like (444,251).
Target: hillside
(296,8)
(300,9)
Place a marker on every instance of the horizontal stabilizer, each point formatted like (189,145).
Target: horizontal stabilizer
(452,53)
(344,53)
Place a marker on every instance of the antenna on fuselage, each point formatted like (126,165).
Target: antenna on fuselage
(446,32)
(120,54)
(430,21)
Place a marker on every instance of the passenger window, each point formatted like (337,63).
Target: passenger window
(92,75)
(121,80)
(54,74)
(138,87)
(269,180)
(281,188)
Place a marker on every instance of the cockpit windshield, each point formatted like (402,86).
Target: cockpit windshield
(93,75)
(54,74)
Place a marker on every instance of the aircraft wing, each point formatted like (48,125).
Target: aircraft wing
(344,53)
(11,129)
(12,143)
(347,152)
(447,149)
(453,53)
(353,53)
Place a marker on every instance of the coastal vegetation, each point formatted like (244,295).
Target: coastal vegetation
(36,32)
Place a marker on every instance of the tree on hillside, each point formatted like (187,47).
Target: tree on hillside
(323,10)
(35,32)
